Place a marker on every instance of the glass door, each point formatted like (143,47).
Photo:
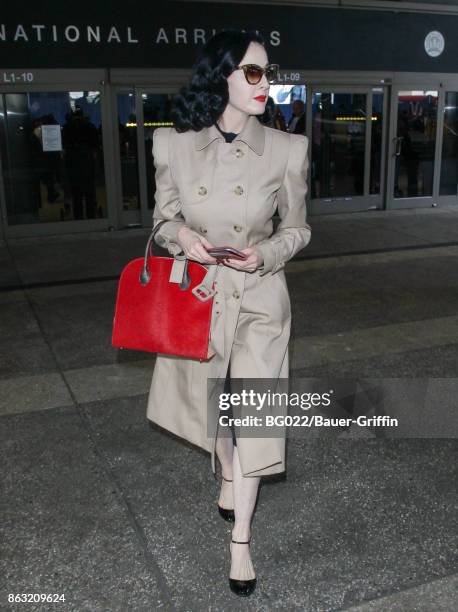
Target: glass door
(414,148)
(52,157)
(347,128)
(127,150)
(140,112)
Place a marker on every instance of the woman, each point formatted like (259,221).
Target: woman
(220,174)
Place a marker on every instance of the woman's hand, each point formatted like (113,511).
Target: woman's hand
(250,264)
(193,245)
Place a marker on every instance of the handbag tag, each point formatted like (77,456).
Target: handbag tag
(178,267)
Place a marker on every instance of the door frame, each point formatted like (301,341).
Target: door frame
(426,82)
(146,212)
(129,218)
(65,80)
(393,203)
(139,81)
(366,201)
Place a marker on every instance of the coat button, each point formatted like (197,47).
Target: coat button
(238,228)
(236,294)
(239,153)
(202,190)
(203,230)
(238,190)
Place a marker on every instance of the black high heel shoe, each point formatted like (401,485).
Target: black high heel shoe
(244,588)
(227,513)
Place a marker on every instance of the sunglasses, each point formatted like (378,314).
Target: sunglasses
(253,72)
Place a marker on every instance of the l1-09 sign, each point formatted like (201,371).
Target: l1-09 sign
(289,77)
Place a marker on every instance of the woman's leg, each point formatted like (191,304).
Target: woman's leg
(245,491)
(259,351)
(224,451)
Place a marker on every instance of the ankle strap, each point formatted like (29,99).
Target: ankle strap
(226,479)
(238,542)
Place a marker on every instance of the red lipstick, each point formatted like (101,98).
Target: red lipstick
(261,98)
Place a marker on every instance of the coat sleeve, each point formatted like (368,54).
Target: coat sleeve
(167,198)
(293,233)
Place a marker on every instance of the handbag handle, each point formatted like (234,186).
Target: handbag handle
(145,275)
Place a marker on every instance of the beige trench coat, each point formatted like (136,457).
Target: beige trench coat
(228,192)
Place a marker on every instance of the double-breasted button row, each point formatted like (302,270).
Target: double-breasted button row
(238,228)
(236,294)
(239,153)
(203,230)
(203,190)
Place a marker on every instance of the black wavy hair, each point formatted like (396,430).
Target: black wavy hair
(202,101)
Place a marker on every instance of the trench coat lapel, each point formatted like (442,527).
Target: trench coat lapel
(252,134)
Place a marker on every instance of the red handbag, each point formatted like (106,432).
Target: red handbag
(156,313)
